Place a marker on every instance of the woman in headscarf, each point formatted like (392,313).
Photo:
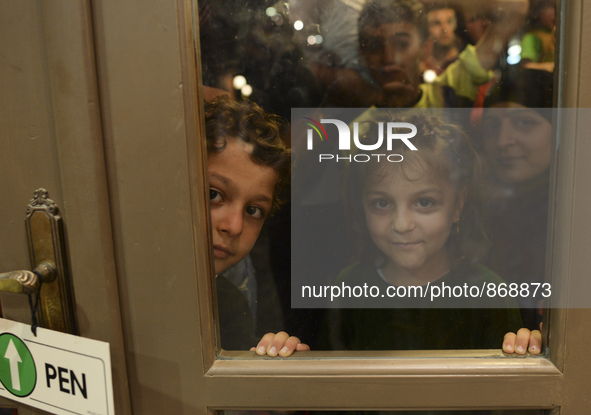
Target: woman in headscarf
(517,140)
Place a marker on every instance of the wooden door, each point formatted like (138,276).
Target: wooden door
(103,109)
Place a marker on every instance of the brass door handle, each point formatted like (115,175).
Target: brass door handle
(47,254)
(27,282)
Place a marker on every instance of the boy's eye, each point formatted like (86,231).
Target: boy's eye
(374,46)
(215,196)
(255,211)
(402,44)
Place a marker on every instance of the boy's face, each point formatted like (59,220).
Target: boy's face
(442,26)
(392,52)
(241,195)
(409,213)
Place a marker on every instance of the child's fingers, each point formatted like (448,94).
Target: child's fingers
(509,343)
(522,341)
(517,343)
(281,344)
(303,347)
(277,344)
(535,342)
(264,344)
(292,344)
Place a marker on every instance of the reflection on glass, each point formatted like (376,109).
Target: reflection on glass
(362,54)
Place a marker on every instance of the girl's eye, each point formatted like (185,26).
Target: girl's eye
(215,196)
(380,204)
(424,203)
(255,211)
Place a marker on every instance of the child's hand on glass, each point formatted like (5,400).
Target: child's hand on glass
(524,341)
(280,344)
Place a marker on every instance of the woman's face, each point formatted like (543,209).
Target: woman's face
(518,142)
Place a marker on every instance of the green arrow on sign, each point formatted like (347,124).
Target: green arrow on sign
(14,358)
(17,367)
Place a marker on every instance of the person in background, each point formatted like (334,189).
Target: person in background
(475,24)
(538,43)
(442,46)
(517,142)
(391,38)
(392,35)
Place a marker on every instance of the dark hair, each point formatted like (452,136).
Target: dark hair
(531,88)
(533,15)
(378,12)
(440,6)
(443,148)
(244,120)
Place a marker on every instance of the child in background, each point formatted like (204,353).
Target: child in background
(248,165)
(538,43)
(417,223)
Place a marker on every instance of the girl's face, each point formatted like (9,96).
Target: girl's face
(409,213)
(518,142)
(241,195)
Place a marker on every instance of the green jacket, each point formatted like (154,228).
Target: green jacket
(421,328)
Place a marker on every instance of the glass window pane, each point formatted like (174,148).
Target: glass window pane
(338,59)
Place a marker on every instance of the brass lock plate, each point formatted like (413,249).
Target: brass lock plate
(45,235)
